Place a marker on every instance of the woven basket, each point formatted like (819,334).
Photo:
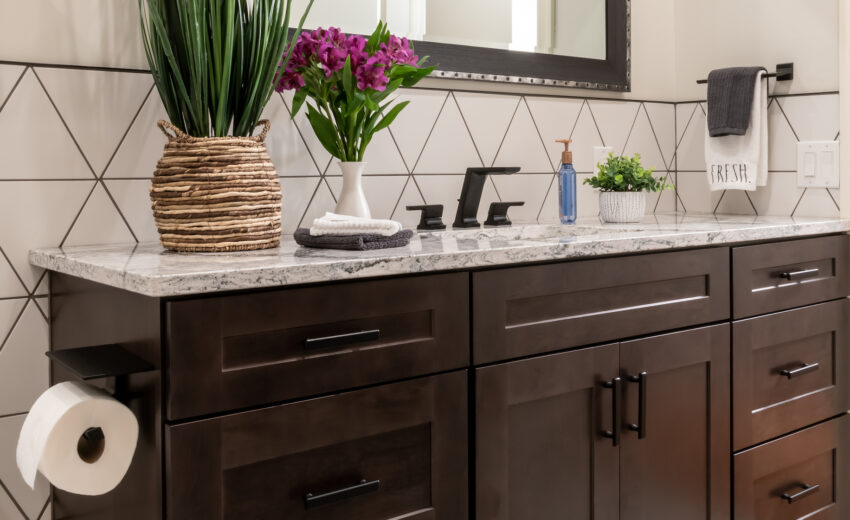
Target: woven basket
(216,194)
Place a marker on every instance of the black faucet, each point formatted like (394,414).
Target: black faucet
(470,194)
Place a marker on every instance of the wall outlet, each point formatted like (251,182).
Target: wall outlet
(600,155)
(817,164)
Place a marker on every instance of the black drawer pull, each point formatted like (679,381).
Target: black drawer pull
(640,427)
(800,274)
(311,500)
(805,369)
(614,433)
(807,490)
(341,340)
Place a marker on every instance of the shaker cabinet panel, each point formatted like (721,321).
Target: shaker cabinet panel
(542,308)
(236,351)
(389,452)
(674,459)
(540,449)
(782,275)
(790,371)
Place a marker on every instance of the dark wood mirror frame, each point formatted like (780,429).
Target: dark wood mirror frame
(483,64)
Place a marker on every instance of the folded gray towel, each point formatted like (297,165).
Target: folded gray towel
(730,99)
(353,242)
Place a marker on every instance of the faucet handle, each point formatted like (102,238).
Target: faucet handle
(497,215)
(432,216)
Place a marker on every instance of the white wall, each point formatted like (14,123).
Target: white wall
(725,33)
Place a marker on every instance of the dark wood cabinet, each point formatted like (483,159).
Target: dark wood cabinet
(546,440)
(680,467)
(804,475)
(403,444)
(679,385)
(539,446)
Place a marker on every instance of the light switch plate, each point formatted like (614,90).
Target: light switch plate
(600,155)
(817,164)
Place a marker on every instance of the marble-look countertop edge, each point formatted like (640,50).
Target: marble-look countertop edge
(394,264)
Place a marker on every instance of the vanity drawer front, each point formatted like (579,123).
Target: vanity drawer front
(782,275)
(529,310)
(793,466)
(790,370)
(236,351)
(391,451)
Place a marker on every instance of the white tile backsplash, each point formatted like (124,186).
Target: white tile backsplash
(49,194)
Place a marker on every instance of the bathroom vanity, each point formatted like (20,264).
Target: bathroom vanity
(688,367)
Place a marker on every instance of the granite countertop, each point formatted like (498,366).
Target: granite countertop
(150,270)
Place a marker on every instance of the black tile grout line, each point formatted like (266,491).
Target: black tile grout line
(679,141)
(13,89)
(67,128)
(328,184)
(595,125)
(475,146)
(126,133)
(400,195)
(770,96)
(77,216)
(43,509)
(117,208)
(15,272)
(631,128)
(793,131)
(14,324)
(310,202)
(837,135)
(833,199)
(799,201)
(13,500)
(300,134)
(714,211)
(657,143)
(37,306)
(430,132)
(16,414)
(747,194)
(463,90)
(674,159)
(9,298)
(409,172)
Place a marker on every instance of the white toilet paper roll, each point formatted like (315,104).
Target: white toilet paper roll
(52,440)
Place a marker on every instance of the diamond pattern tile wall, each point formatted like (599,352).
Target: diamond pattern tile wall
(78,148)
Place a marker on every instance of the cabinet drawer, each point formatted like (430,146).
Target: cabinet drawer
(236,351)
(790,371)
(777,480)
(391,451)
(528,310)
(773,277)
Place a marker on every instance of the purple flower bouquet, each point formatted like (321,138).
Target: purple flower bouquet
(349,79)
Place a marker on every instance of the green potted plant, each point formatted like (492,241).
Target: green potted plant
(623,184)
(349,79)
(215,64)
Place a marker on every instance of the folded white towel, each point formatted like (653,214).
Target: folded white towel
(333,224)
(739,162)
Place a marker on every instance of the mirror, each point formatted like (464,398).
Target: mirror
(577,43)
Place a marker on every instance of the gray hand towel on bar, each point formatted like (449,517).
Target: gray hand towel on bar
(730,100)
(364,242)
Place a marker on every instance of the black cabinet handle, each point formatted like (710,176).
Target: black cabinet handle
(640,427)
(341,340)
(616,403)
(799,274)
(363,487)
(805,369)
(807,490)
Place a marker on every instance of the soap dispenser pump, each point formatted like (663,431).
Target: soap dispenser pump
(567,210)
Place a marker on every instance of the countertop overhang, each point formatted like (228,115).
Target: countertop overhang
(150,270)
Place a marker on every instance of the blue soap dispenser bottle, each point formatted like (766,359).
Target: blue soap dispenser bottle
(567,185)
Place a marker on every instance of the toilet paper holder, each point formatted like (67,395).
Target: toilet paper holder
(99,362)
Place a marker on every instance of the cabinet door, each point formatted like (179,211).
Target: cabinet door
(674,459)
(541,453)
(387,452)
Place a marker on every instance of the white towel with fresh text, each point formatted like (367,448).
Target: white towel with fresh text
(739,162)
(334,224)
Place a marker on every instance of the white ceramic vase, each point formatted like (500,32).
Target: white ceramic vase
(622,206)
(352,201)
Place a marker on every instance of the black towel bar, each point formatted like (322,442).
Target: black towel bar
(784,72)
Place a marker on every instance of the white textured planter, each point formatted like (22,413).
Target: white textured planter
(352,201)
(622,206)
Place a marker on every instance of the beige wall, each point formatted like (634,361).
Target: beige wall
(724,33)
